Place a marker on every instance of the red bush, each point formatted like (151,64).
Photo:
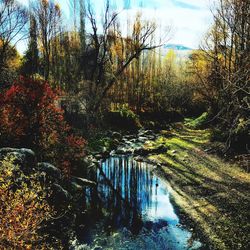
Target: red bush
(30,118)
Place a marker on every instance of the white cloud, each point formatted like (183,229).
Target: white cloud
(188,25)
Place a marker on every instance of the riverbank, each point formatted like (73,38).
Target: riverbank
(213,193)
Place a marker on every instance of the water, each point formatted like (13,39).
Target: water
(137,209)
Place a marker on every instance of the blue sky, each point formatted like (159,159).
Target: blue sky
(189,19)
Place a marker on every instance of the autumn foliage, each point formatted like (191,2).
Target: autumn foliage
(30,117)
(23,208)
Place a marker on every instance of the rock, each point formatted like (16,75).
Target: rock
(98,156)
(141,151)
(116,142)
(50,170)
(151,137)
(146,151)
(123,151)
(145,132)
(74,187)
(105,154)
(129,137)
(160,149)
(25,158)
(139,158)
(59,194)
(142,138)
(116,135)
(97,248)
(83,182)
(146,160)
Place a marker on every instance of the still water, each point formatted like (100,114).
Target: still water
(137,209)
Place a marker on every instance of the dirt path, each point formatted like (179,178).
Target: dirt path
(213,193)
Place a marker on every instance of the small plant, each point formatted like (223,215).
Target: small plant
(129,116)
(198,122)
(23,208)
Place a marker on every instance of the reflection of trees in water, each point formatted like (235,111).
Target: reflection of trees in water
(125,190)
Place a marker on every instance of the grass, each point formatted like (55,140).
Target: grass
(197,122)
(215,194)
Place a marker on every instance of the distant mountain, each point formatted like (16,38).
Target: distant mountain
(176,47)
(181,51)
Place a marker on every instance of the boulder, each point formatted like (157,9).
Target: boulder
(59,194)
(74,187)
(23,157)
(116,135)
(160,149)
(50,170)
(142,151)
(146,151)
(123,151)
(83,182)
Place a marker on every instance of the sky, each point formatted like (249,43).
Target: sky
(189,19)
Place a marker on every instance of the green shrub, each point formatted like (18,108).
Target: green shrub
(129,116)
(198,122)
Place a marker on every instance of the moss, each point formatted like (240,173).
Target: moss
(197,122)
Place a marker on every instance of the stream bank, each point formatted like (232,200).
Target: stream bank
(213,195)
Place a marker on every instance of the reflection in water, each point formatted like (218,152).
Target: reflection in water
(136,207)
(132,190)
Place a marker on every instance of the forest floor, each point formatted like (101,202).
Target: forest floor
(213,193)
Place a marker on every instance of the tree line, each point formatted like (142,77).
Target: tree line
(105,67)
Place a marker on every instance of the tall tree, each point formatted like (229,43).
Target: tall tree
(31,58)
(226,50)
(48,20)
(100,80)
(13,19)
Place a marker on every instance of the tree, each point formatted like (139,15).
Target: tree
(31,58)
(101,76)
(48,20)
(13,19)
(227,50)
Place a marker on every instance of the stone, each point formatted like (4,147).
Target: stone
(24,157)
(59,194)
(50,170)
(123,151)
(74,187)
(142,138)
(116,135)
(141,151)
(83,182)
(97,248)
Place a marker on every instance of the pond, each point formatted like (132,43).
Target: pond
(136,208)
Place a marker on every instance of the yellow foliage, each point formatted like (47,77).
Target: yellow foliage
(23,208)
(170,56)
(14,59)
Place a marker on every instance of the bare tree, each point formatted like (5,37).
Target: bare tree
(13,19)
(227,51)
(101,74)
(48,20)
